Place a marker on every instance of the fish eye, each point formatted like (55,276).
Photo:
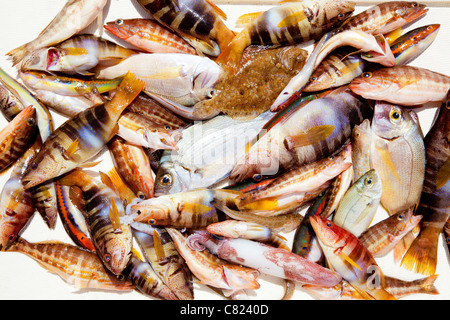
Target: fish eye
(340,16)
(120,277)
(429,28)
(167,127)
(401,217)
(33,165)
(152,221)
(367,75)
(331,157)
(211,93)
(328,224)
(257,177)
(447,104)
(395,115)
(12,237)
(141,195)
(107,257)
(31,122)
(414,4)
(313,78)
(368,181)
(119,22)
(166,179)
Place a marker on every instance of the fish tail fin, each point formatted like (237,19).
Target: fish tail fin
(230,56)
(127,91)
(16,55)
(421,256)
(426,285)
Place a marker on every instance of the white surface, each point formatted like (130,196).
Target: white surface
(23,278)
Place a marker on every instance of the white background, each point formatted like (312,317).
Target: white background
(22,278)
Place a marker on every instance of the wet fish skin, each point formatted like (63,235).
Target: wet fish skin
(357,208)
(404,85)
(76,266)
(81,137)
(10,104)
(398,155)
(434,204)
(149,36)
(382,237)
(361,140)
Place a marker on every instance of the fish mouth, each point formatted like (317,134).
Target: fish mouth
(416,13)
(118,32)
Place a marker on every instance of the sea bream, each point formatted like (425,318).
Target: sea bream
(183,78)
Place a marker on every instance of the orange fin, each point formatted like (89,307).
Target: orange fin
(230,57)
(421,256)
(308,137)
(72,148)
(107,181)
(89,164)
(247,18)
(114,215)
(386,158)
(217,10)
(137,254)
(125,193)
(159,249)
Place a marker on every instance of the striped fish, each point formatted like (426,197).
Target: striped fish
(44,199)
(385,17)
(148,36)
(348,257)
(192,19)
(146,280)
(288,23)
(133,165)
(404,85)
(304,136)
(382,237)
(10,104)
(70,205)
(17,136)
(160,251)
(81,137)
(76,266)
(101,203)
(434,203)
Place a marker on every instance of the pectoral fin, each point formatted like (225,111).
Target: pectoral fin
(114,215)
(308,137)
(247,18)
(292,19)
(386,158)
(443,174)
(159,249)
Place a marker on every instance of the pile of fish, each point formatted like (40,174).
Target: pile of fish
(224,142)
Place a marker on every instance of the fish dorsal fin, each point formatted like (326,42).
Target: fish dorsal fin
(217,10)
(108,182)
(114,215)
(292,19)
(159,249)
(308,137)
(247,18)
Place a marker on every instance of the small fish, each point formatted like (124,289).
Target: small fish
(44,199)
(17,136)
(112,246)
(79,54)
(305,179)
(298,139)
(81,137)
(132,163)
(211,270)
(183,78)
(276,262)
(198,19)
(404,85)
(288,23)
(160,251)
(398,155)
(348,257)
(382,237)
(149,36)
(78,267)
(73,17)
(37,80)
(70,204)
(434,205)
(146,281)
(190,209)
(385,17)
(359,205)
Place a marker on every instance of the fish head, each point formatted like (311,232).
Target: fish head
(340,161)
(319,81)
(48,164)
(369,182)
(335,11)
(374,85)
(207,73)
(405,221)
(154,211)
(120,28)
(171,178)
(329,234)
(238,277)
(390,121)
(409,11)
(117,252)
